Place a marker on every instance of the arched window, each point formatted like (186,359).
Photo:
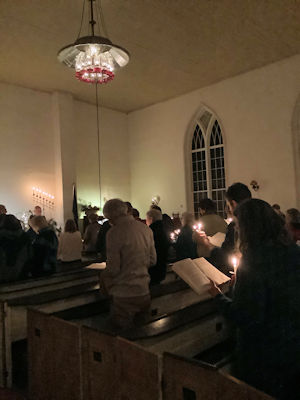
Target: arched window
(208,169)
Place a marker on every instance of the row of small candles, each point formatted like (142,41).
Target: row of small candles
(198,228)
(42,197)
(39,192)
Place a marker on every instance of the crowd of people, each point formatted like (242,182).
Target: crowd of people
(265,305)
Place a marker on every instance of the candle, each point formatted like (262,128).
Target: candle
(234,261)
(172,236)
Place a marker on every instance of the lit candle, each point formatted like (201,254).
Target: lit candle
(172,236)
(177,231)
(234,261)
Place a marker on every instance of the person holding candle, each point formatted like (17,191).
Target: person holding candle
(219,257)
(154,221)
(211,222)
(185,246)
(266,302)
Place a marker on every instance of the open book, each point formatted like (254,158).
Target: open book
(217,239)
(98,266)
(197,274)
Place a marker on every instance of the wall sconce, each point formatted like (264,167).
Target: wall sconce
(155,200)
(254,185)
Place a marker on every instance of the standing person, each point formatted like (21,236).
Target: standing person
(266,302)
(219,257)
(155,223)
(130,252)
(3,209)
(185,246)
(37,211)
(211,222)
(91,234)
(70,243)
(44,248)
(293,224)
(15,250)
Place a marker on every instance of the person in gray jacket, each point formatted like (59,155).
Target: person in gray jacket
(130,252)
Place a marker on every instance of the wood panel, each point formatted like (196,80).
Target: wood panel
(100,369)
(139,372)
(186,379)
(40,366)
(66,357)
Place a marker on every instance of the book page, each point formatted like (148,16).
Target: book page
(192,275)
(210,271)
(217,239)
(98,266)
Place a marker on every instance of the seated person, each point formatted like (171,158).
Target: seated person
(44,248)
(265,304)
(219,257)
(15,250)
(91,234)
(185,246)
(130,252)
(211,222)
(70,243)
(154,221)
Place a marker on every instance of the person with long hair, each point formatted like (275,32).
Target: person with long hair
(266,302)
(70,243)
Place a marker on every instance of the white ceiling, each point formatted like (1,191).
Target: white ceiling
(176,46)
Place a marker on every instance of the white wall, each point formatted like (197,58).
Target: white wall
(36,149)
(114,154)
(255,110)
(26,146)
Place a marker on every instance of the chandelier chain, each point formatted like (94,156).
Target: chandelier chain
(101,18)
(98,139)
(82,16)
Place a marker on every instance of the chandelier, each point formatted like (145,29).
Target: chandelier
(95,58)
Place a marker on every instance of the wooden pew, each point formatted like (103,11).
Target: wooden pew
(106,358)
(50,294)
(186,379)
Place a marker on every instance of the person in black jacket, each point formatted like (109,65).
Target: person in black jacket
(44,248)
(219,257)
(185,246)
(15,250)
(158,271)
(266,302)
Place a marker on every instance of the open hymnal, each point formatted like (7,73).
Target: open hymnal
(198,273)
(98,266)
(217,239)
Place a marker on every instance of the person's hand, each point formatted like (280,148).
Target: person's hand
(200,238)
(214,290)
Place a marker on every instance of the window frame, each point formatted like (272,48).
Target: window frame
(206,132)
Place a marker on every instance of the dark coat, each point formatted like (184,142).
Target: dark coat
(15,254)
(44,253)
(266,310)
(158,271)
(185,246)
(101,239)
(220,256)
